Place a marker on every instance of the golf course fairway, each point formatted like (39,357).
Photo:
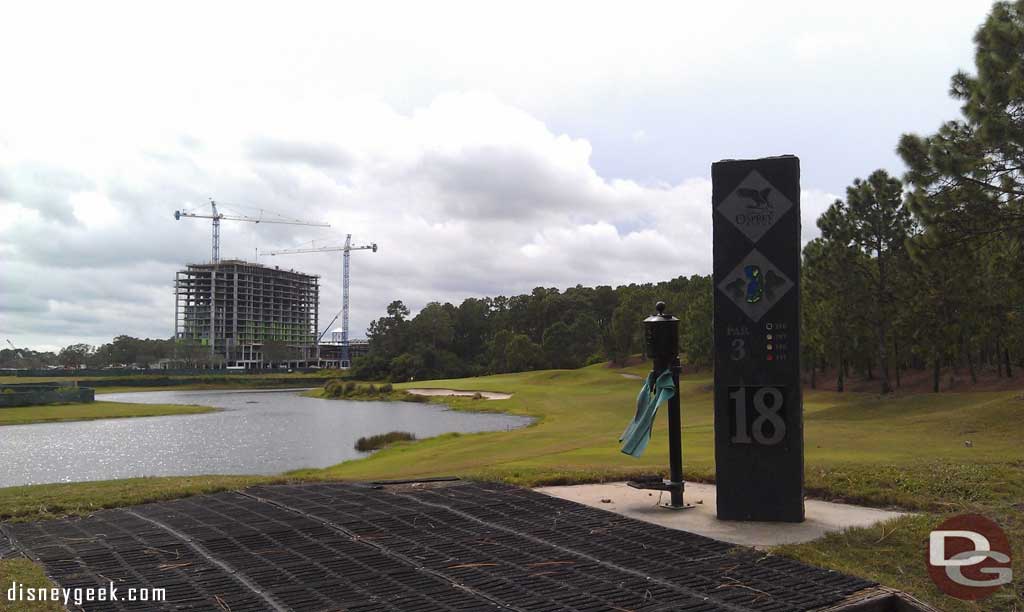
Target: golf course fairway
(904,451)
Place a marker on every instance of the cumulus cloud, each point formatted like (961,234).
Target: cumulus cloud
(466,196)
(43,187)
(316,154)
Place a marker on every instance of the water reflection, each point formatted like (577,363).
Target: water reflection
(257,432)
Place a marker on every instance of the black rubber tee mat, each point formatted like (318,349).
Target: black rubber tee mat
(462,545)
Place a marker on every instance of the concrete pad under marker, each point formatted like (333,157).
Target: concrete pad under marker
(822,517)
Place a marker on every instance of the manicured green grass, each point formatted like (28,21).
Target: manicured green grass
(216,381)
(37,502)
(240,386)
(29,575)
(905,451)
(92,410)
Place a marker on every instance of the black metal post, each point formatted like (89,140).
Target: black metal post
(675,440)
(661,338)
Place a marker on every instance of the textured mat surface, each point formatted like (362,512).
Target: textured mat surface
(439,546)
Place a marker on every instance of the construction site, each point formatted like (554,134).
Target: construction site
(241,311)
(244,315)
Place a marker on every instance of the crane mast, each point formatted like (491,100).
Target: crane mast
(346,254)
(346,250)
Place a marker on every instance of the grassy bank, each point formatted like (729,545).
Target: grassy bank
(209,387)
(29,575)
(906,451)
(35,502)
(154,374)
(156,382)
(92,410)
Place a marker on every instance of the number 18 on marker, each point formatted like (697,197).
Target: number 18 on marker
(758,415)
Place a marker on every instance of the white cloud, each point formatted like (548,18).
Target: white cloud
(467,196)
(488,148)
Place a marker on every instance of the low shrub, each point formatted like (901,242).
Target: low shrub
(367,444)
(334,388)
(349,389)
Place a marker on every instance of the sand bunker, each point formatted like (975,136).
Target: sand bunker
(491,395)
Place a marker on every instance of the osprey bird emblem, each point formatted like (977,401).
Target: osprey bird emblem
(759,198)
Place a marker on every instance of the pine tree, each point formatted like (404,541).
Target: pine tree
(968,178)
(873,222)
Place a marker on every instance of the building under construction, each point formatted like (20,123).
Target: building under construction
(332,353)
(247,315)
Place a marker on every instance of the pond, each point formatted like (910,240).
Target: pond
(256,432)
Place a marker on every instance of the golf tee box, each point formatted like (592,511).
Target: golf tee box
(759,446)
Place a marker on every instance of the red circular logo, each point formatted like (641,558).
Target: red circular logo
(969,557)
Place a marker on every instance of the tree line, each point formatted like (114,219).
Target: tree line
(129,352)
(546,328)
(122,351)
(927,272)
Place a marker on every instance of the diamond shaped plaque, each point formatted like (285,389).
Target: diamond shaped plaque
(755,285)
(754,206)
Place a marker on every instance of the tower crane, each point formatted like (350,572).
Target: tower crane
(17,352)
(346,250)
(216,216)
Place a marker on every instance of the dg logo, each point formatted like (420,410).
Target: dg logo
(969,557)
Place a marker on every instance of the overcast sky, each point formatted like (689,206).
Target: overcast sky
(487,147)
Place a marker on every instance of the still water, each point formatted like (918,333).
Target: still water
(256,432)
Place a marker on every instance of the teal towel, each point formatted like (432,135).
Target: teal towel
(638,432)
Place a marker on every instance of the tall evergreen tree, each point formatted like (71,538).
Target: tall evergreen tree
(873,221)
(968,177)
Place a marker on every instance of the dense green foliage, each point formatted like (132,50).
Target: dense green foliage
(91,411)
(349,389)
(968,178)
(934,274)
(546,328)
